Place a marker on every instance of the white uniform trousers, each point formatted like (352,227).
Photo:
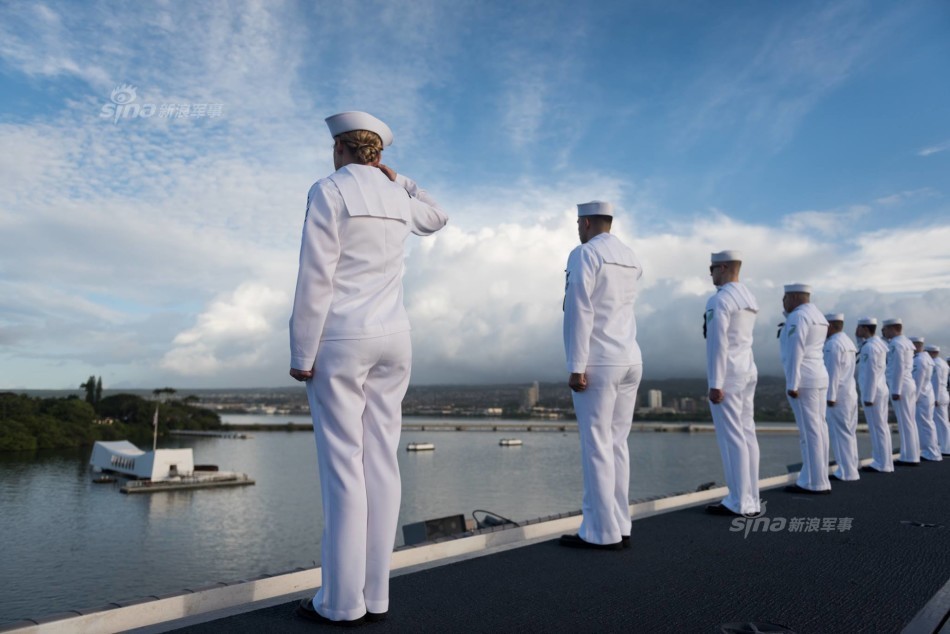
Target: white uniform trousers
(926,430)
(738,446)
(942,424)
(904,409)
(882,453)
(842,431)
(356,402)
(604,415)
(809,409)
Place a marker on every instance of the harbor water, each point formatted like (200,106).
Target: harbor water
(69,543)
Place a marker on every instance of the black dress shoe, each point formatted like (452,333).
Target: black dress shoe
(794,488)
(575,541)
(869,469)
(721,509)
(375,617)
(906,463)
(305,611)
(931,459)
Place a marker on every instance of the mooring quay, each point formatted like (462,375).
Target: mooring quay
(874,556)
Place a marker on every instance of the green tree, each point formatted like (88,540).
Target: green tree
(90,387)
(98,392)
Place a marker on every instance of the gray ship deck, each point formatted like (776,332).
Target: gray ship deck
(688,572)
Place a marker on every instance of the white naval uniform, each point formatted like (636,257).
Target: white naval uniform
(801,340)
(871,362)
(600,340)
(900,382)
(942,398)
(839,353)
(349,325)
(730,367)
(926,431)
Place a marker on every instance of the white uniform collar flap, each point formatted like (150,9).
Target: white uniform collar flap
(368,192)
(613,251)
(740,295)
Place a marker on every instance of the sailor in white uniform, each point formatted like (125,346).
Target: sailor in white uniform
(349,340)
(732,375)
(806,383)
(900,383)
(923,379)
(941,398)
(605,366)
(842,400)
(872,358)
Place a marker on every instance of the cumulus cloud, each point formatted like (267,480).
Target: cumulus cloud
(235,332)
(486,303)
(164,250)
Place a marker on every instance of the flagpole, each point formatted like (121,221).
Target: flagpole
(155,428)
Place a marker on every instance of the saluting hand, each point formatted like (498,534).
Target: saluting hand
(578,381)
(388,171)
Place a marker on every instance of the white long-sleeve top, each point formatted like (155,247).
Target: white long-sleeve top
(349,285)
(939,381)
(600,327)
(871,363)
(840,356)
(923,374)
(900,366)
(730,320)
(802,340)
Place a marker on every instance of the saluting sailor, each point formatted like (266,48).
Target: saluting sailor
(842,401)
(806,383)
(874,396)
(603,358)
(732,375)
(349,340)
(941,398)
(900,383)
(923,379)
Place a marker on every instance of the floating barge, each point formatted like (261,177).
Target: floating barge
(420,446)
(195,482)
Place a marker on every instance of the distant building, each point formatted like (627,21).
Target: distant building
(654,399)
(688,405)
(531,396)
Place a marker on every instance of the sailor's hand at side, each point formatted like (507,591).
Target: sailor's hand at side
(578,381)
(301,375)
(716,396)
(895,397)
(831,403)
(868,403)
(388,171)
(793,393)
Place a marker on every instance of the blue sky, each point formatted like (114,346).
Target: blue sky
(156,250)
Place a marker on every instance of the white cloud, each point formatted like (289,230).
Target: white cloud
(234,333)
(164,250)
(934,149)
